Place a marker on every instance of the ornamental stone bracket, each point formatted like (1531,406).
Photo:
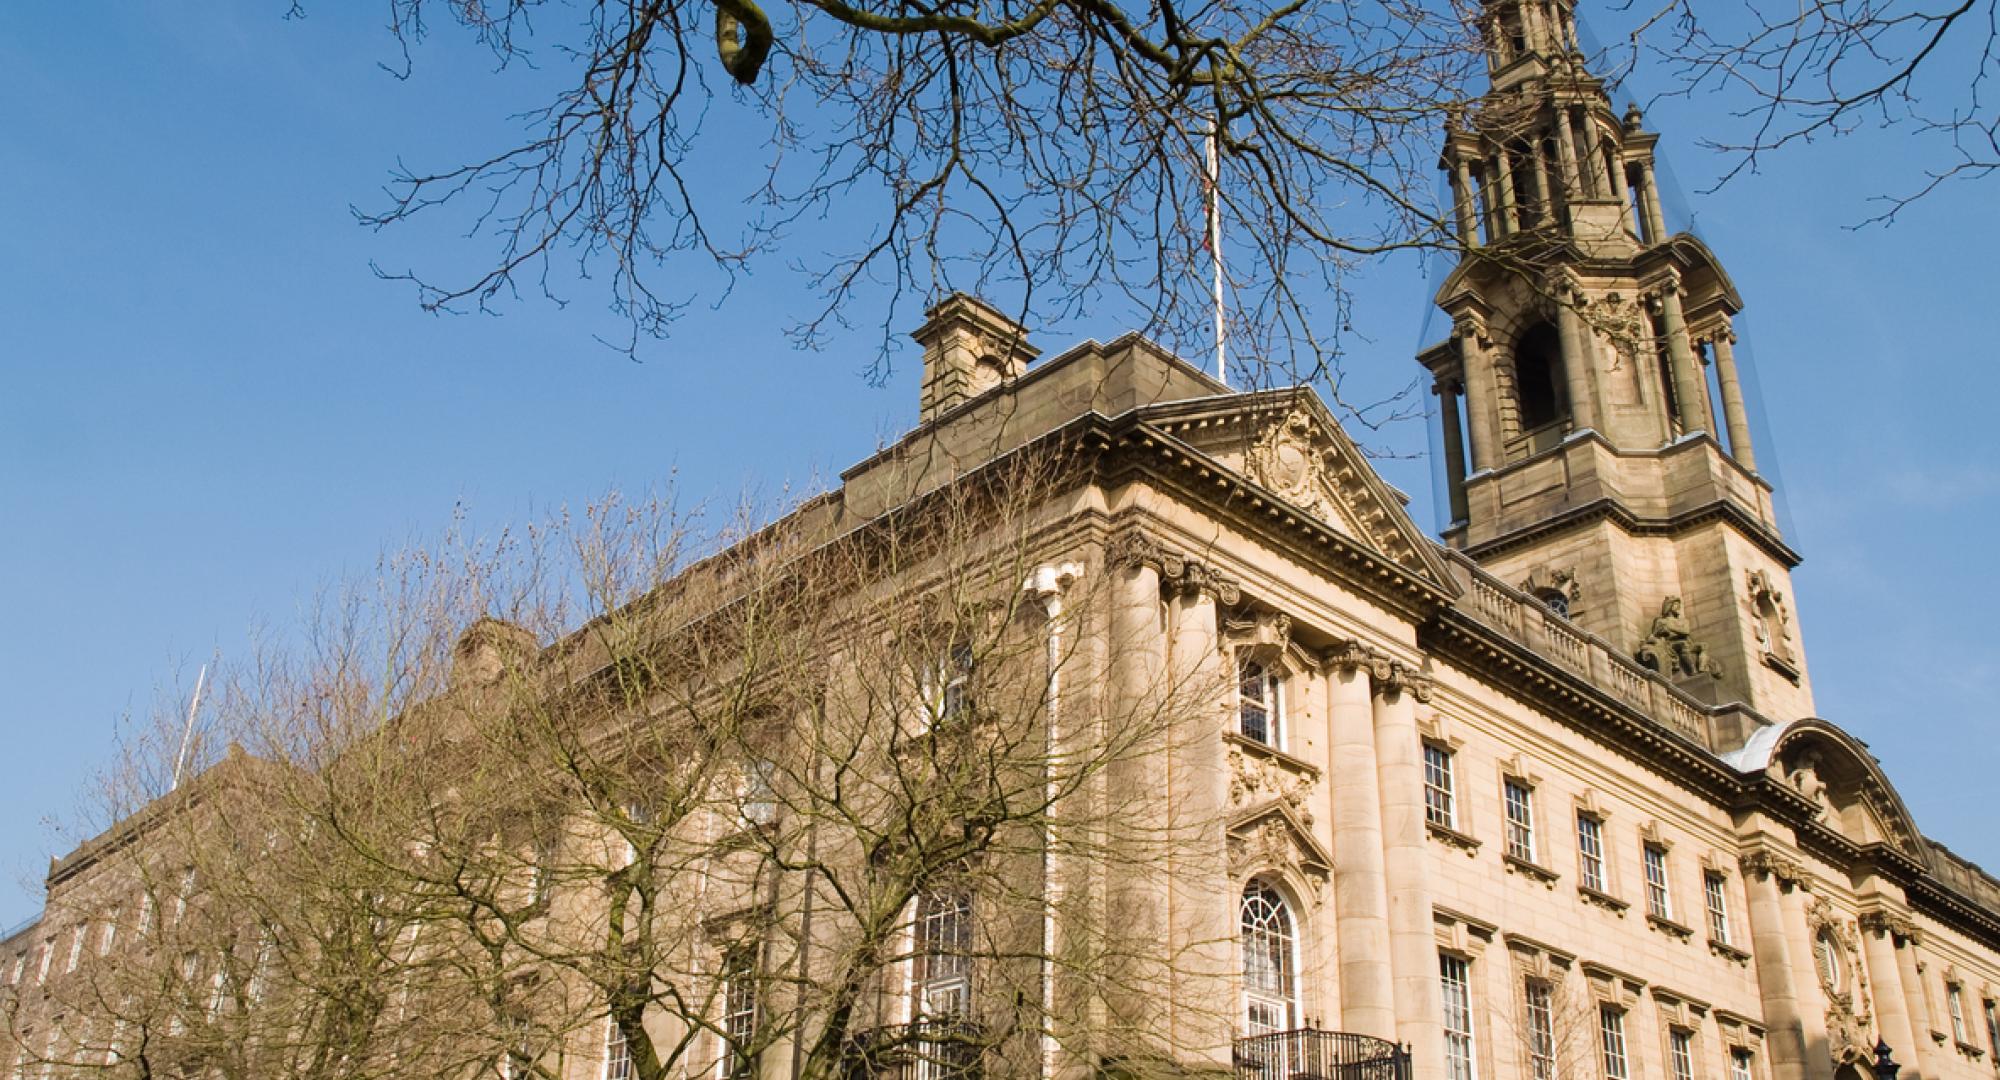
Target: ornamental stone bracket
(1180,574)
(1259,775)
(1783,868)
(1902,930)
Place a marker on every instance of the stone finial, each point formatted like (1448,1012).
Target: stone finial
(969,349)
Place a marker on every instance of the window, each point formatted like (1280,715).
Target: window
(181,897)
(1538,377)
(739,1011)
(1993,1028)
(1740,1065)
(1590,851)
(1455,981)
(1680,1053)
(1611,1039)
(760,798)
(941,987)
(145,912)
(1659,903)
(1520,820)
(1439,808)
(1269,947)
(1260,703)
(20,965)
(1541,1031)
(108,935)
(1826,958)
(946,686)
(1954,1001)
(1715,888)
(42,962)
(75,948)
(617,1052)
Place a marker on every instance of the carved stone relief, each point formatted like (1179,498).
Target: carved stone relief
(1771,621)
(1179,574)
(1274,841)
(1836,948)
(1257,778)
(1670,647)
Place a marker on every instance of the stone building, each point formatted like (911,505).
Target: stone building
(1549,797)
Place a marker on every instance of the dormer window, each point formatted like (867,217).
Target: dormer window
(1260,702)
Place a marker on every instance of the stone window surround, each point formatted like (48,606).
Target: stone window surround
(1666,920)
(1589,806)
(1436,734)
(1517,770)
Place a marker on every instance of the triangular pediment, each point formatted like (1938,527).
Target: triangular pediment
(1287,444)
(1271,836)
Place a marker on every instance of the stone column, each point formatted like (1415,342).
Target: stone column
(1566,148)
(1510,219)
(1734,417)
(1454,448)
(1690,386)
(1405,845)
(1918,1002)
(1621,188)
(1593,172)
(1202,914)
(1482,405)
(1462,197)
(1360,888)
(1649,199)
(1142,901)
(1765,875)
(1545,204)
(1578,346)
(1893,1023)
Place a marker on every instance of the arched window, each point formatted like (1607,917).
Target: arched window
(1538,378)
(1270,950)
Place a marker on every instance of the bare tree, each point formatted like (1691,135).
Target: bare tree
(606,789)
(1832,67)
(1049,153)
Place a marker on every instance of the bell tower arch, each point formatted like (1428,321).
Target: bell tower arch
(1596,427)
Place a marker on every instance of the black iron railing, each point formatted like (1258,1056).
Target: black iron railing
(1311,1054)
(946,1049)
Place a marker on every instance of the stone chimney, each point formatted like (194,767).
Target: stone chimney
(969,349)
(489,650)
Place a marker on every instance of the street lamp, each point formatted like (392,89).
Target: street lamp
(1885,1066)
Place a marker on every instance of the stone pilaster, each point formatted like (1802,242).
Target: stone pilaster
(1482,393)
(1201,912)
(1690,387)
(1454,448)
(1735,418)
(1918,1002)
(1579,356)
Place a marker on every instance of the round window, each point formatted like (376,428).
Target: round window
(1826,955)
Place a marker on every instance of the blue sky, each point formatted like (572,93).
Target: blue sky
(210,405)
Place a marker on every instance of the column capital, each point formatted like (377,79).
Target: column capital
(1468,327)
(1893,923)
(1783,868)
(1179,574)
(1353,654)
(1657,288)
(1405,679)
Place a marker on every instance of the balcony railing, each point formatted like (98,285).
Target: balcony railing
(1311,1054)
(944,1049)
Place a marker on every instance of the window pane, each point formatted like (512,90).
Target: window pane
(1541,1032)
(1520,820)
(1256,703)
(1718,907)
(1454,974)
(1656,882)
(1590,850)
(1438,805)
(1680,1046)
(1611,1037)
(1268,948)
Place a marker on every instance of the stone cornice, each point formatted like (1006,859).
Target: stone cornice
(1607,508)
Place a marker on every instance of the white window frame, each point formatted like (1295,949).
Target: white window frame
(1742,1063)
(1261,693)
(1659,888)
(1539,1003)
(107,936)
(1274,924)
(1993,1028)
(1954,1003)
(1461,1044)
(1614,1057)
(75,956)
(1715,895)
(1440,786)
(617,1052)
(1517,798)
(1680,1054)
(737,1027)
(1592,872)
(944,685)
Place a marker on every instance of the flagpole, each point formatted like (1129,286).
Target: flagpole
(1214,180)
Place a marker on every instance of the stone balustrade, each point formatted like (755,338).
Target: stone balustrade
(1528,621)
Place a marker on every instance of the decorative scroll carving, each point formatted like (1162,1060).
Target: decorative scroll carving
(1275,839)
(1623,323)
(1900,927)
(1353,654)
(1787,870)
(1405,679)
(1257,778)
(1287,461)
(1469,326)
(1178,573)
(1837,961)
(1670,648)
